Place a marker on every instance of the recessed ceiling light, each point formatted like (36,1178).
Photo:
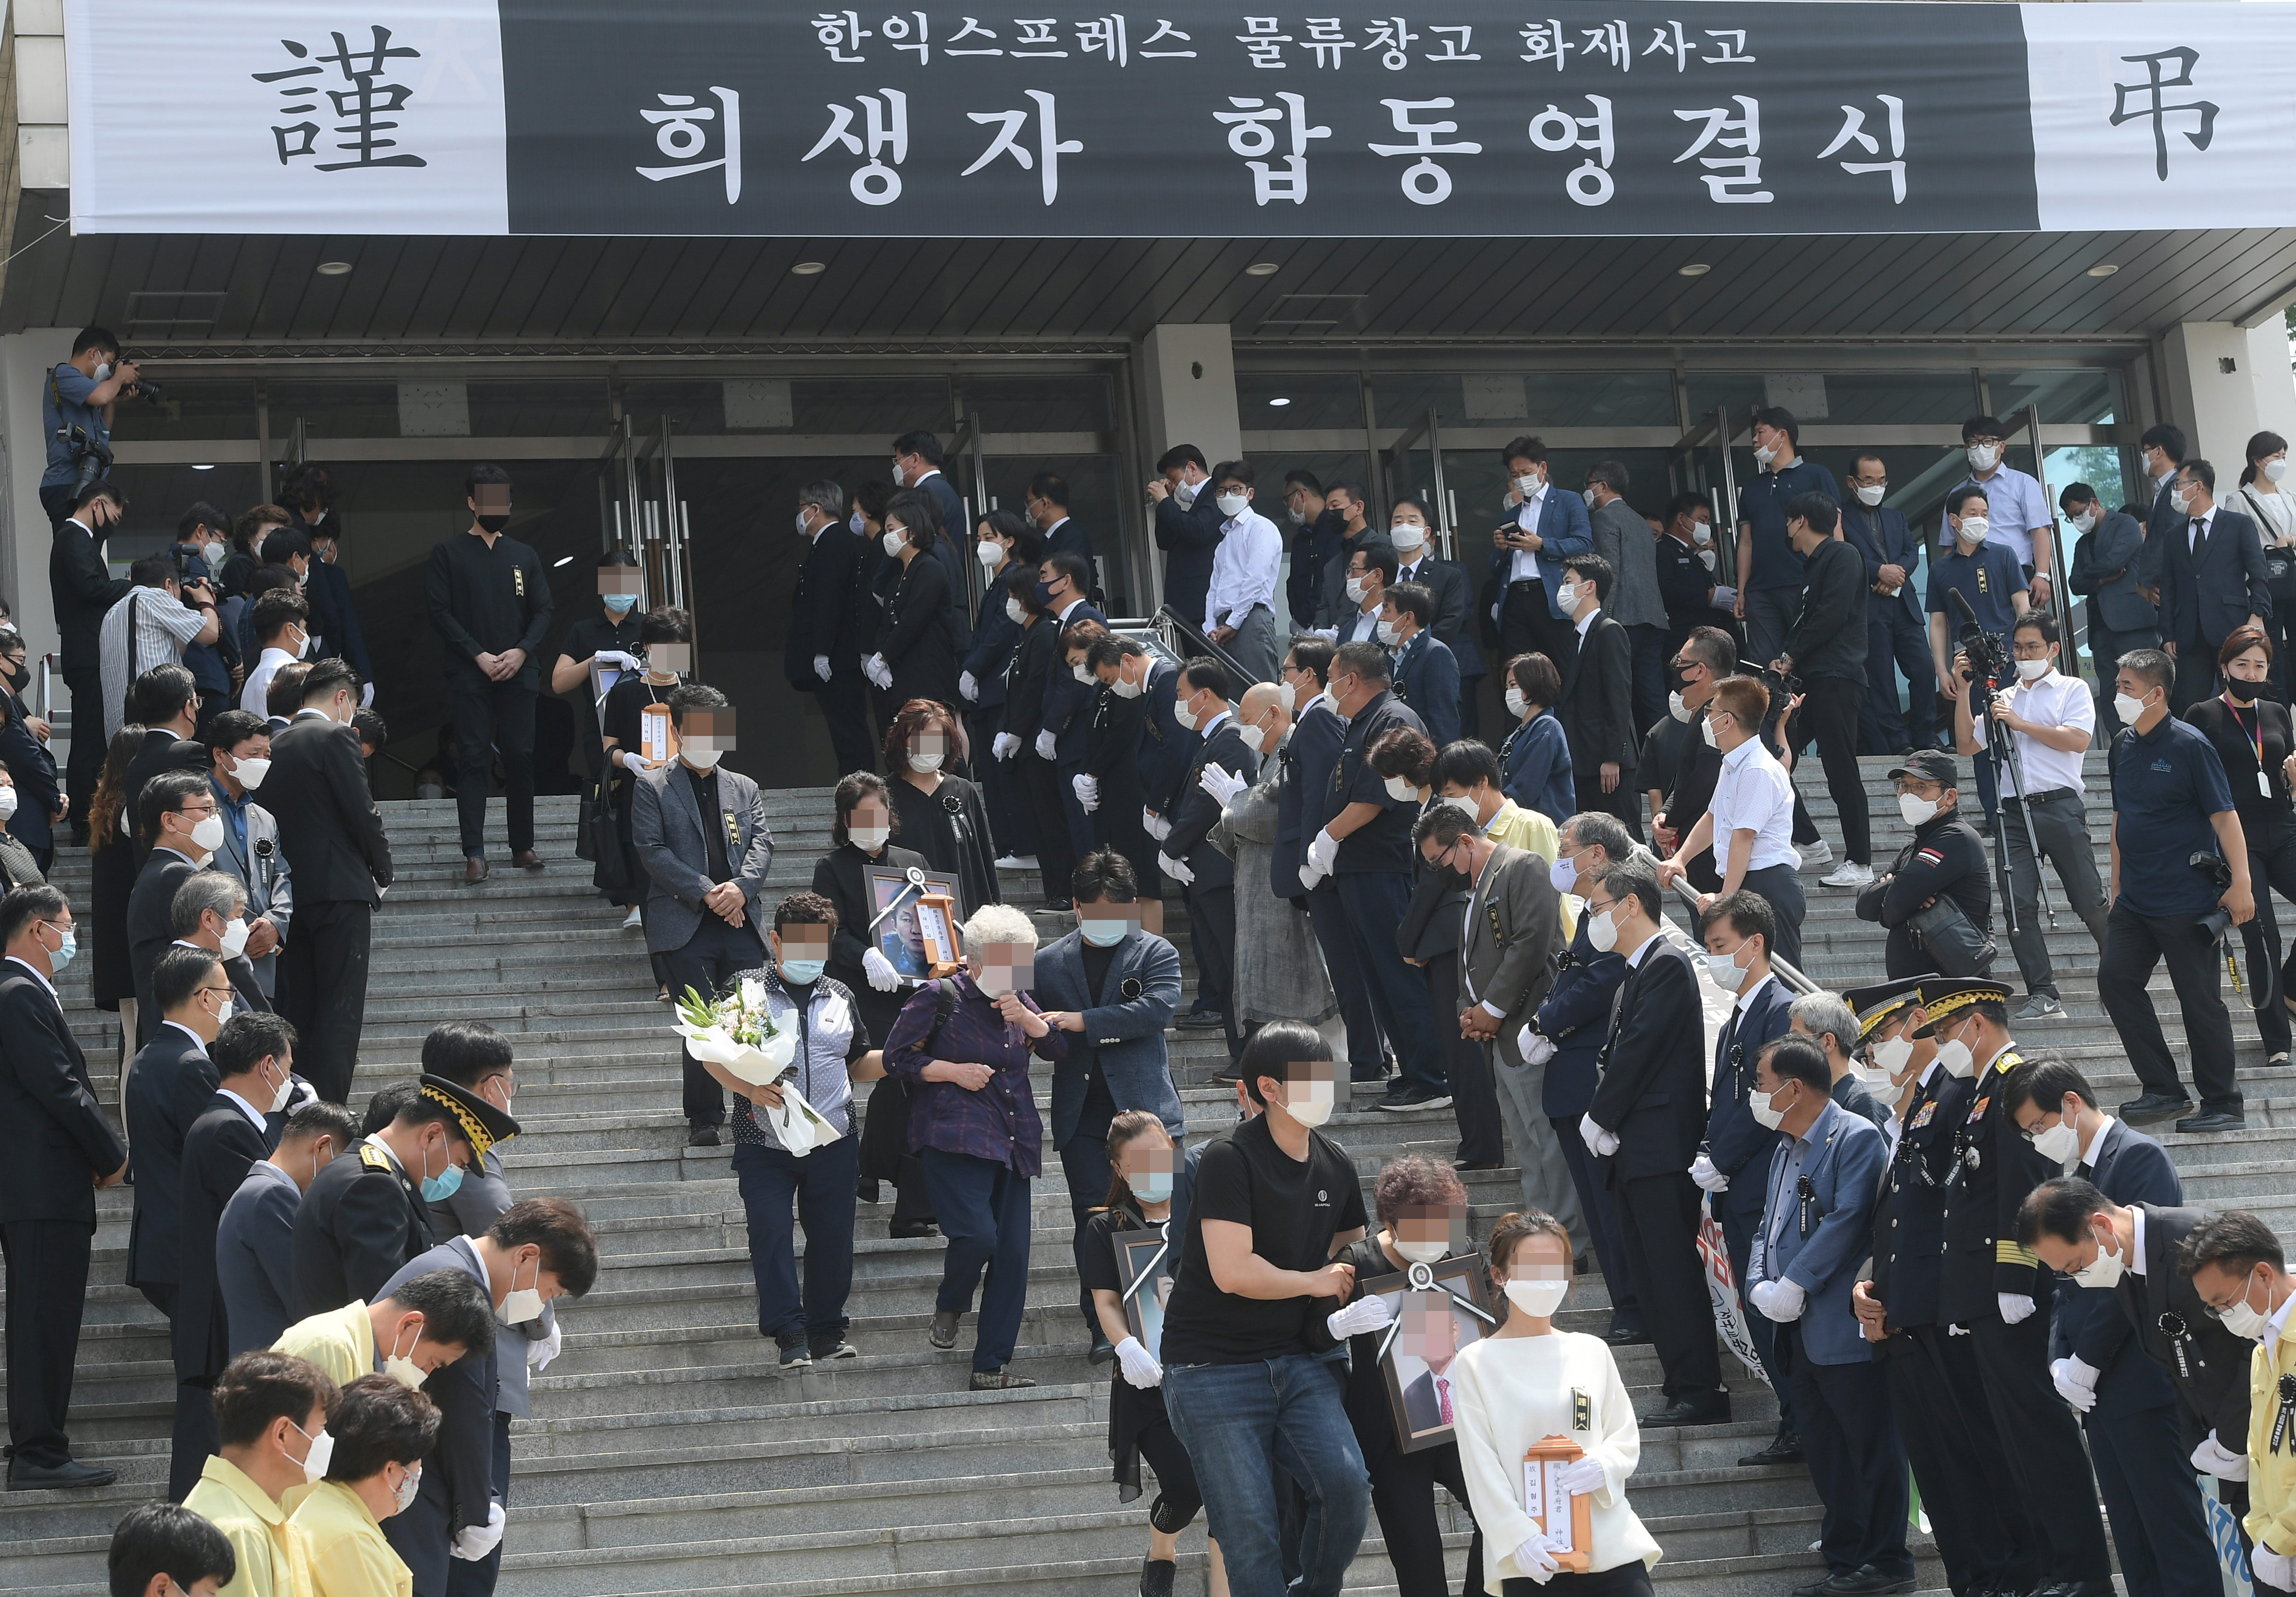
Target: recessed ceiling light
(334,269)
(809,268)
(1262,268)
(2105,270)
(1697,268)
(203,467)
(563,560)
(1279,402)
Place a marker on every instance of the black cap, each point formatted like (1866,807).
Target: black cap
(1945,995)
(481,1124)
(1876,1003)
(1930,765)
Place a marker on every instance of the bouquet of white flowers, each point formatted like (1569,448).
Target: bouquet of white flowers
(738,1031)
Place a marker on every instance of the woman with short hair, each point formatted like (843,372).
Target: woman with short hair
(942,814)
(1536,755)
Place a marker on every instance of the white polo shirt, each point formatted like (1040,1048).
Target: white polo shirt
(2055,699)
(1754,794)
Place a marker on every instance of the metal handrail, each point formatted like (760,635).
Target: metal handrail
(1788,977)
(1172,621)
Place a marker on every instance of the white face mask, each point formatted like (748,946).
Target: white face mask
(1384,631)
(1974,529)
(989,553)
(1516,704)
(1700,534)
(1564,875)
(2059,1144)
(1289,697)
(804,525)
(1526,486)
(1537,1298)
(1763,457)
(925,763)
(1297,518)
(251,772)
(1891,1054)
(234,938)
(1569,594)
(2243,1321)
(1082,673)
(1354,586)
(1728,974)
(895,540)
(1706,730)
(408,1490)
(103,371)
(857,523)
(1254,738)
(1915,808)
(1422,1253)
(1982,456)
(2127,708)
(1957,1060)
(1187,492)
(1872,495)
(869,839)
(2032,670)
(1332,700)
(207,837)
(2180,501)
(705,758)
(1408,538)
(317,1456)
(279,1100)
(1706,559)
(1676,707)
(1123,689)
(2275,469)
(1767,1113)
(8,803)
(2086,522)
(1311,1102)
(1401,790)
(1603,932)
(1184,714)
(403,1369)
(1231,506)
(522,1305)
(1018,615)
(2106,1269)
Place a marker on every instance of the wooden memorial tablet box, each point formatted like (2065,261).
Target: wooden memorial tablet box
(937,925)
(1567,1516)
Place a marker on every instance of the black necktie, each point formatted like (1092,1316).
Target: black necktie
(2200,537)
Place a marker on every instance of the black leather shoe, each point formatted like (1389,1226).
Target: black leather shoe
(943,1333)
(1784,1448)
(702,1137)
(1156,1578)
(475,870)
(1712,1409)
(1814,1588)
(2155,1106)
(1626,1336)
(909,1230)
(72,1473)
(1372,1070)
(2212,1120)
(1869,1581)
(1200,1019)
(526,859)
(1102,1352)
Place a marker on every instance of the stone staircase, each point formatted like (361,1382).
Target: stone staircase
(668,1453)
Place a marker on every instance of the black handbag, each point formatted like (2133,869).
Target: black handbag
(2279,561)
(616,873)
(1951,939)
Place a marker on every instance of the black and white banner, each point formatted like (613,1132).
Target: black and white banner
(1188,119)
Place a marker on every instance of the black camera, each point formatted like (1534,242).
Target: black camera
(2217,921)
(1988,657)
(140,390)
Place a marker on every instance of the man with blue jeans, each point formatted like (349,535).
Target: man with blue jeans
(1364,843)
(1248,1331)
(1990,576)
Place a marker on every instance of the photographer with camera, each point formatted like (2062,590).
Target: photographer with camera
(202,545)
(2178,855)
(161,614)
(1990,579)
(2050,720)
(76,414)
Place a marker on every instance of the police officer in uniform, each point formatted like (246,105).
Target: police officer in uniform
(1945,859)
(1935,1390)
(365,1217)
(1997,1290)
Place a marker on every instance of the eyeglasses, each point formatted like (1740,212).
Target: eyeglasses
(1983,440)
(1594,908)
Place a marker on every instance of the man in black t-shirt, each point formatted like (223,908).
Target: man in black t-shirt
(1247,1333)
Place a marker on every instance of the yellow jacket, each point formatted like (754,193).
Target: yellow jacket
(340,1341)
(273,1559)
(1527,829)
(348,1555)
(2271,1476)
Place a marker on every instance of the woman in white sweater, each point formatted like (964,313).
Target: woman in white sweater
(1520,1385)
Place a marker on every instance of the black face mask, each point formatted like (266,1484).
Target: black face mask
(2244,692)
(494,523)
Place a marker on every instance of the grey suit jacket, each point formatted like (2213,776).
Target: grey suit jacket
(666,823)
(262,869)
(476,1204)
(1625,539)
(1123,1036)
(254,1267)
(2105,570)
(1514,923)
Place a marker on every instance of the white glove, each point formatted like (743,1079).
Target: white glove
(474,1542)
(1324,853)
(1005,746)
(1779,1300)
(366,697)
(1535,1559)
(1156,825)
(622,660)
(2209,1458)
(1048,746)
(880,971)
(2076,1382)
(1087,791)
(821,667)
(2015,1307)
(1708,1178)
(1957,1331)
(1175,869)
(1139,1365)
(539,1355)
(1582,1474)
(969,686)
(1536,1046)
(1310,873)
(1222,787)
(1599,1142)
(2275,1570)
(1364,1314)
(877,671)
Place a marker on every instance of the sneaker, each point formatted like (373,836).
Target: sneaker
(1017,862)
(824,1352)
(2042,1006)
(1372,1070)
(1813,855)
(795,1355)
(1850,873)
(634,920)
(998,1381)
(1414,1096)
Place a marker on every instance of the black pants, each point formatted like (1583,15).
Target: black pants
(1658,1217)
(2271,869)
(2159,1527)
(195,1438)
(2196,676)
(1475,1093)
(493,718)
(47,1285)
(1587,1175)
(846,708)
(1528,626)
(1630,1579)
(476,1577)
(2133,945)
(2042,1445)
(1330,920)
(1403,1495)
(2105,651)
(1211,923)
(1828,717)
(1740,1214)
(1625,801)
(715,954)
(1935,1393)
(1850,1440)
(1056,856)
(324,968)
(1000,786)
(1178,1498)
(1084,1165)
(1653,679)
(1782,886)
(84,767)
(1895,642)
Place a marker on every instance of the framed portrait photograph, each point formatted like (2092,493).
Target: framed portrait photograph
(900,935)
(1439,1309)
(1147,1287)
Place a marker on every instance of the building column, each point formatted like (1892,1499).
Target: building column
(25,360)
(1188,373)
(2225,384)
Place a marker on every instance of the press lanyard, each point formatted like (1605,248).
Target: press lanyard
(2263,779)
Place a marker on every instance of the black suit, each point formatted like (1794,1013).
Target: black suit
(170,1085)
(824,619)
(332,836)
(361,1221)
(151,927)
(1827,645)
(1028,687)
(918,639)
(2208,1364)
(1189,539)
(1652,1094)
(1211,896)
(222,1145)
(53,1141)
(2207,593)
(1597,712)
(82,590)
(1455,602)
(162,750)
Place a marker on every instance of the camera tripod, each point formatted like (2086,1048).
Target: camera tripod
(2001,748)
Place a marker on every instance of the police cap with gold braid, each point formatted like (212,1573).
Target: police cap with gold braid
(1947,996)
(481,1124)
(1883,1000)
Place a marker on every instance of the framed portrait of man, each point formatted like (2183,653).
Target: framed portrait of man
(1146,1266)
(900,935)
(1439,1309)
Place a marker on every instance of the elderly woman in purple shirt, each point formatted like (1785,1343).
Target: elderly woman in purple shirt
(963,1044)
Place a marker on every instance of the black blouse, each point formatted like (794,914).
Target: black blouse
(1131,1411)
(949,826)
(2234,731)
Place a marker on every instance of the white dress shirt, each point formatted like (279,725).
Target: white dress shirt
(1754,794)
(1522,566)
(2096,1141)
(255,696)
(42,981)
(1245,569)
(1587,621)
(2054,699)
(247,1109)
(2196,530)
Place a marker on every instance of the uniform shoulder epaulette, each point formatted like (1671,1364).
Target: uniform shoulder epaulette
(2009,1060)
(373,1158)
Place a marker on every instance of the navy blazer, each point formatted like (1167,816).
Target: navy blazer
(1649,1091)
(1307,756)
(1426,677)
(1166,747)
(1455,600)
(1575,1016)
(1565,530)
(1069,537)
(2105,563)
(1909,1220)
(2204,604)
(1124,1022)
(1194,813)
(457,1487)
(33,769)
(1188,538)
(53,1137)
(1843,1168)
(1735,1139)
(335,617)
(2130,1168)
(995,637)
(1884,540)
(255,1238)
(2163,518)
(170,1085)
(1068,703)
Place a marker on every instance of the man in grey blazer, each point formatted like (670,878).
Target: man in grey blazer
(255,1234)
(699,830)
(1626,540)
(2120,621)
(1512,931)
(239,756)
